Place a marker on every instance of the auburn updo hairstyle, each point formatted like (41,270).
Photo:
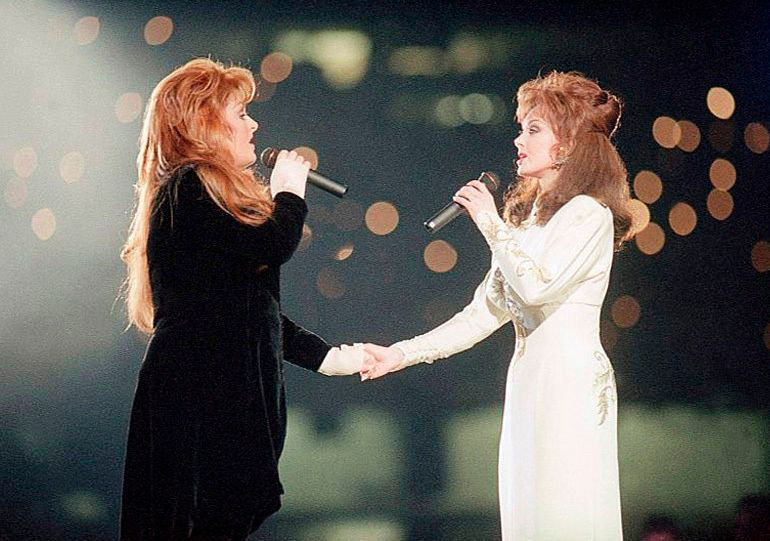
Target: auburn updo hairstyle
(584,119)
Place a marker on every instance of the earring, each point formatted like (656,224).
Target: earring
(558,162)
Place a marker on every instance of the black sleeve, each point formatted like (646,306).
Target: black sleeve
(211,228)
(302,347)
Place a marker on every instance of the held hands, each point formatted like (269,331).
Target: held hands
(289,174)
(379,360)
(476,199)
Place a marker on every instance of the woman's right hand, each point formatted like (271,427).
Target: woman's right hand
(380,361)
(289,174)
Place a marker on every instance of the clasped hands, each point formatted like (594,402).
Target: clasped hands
(380,360)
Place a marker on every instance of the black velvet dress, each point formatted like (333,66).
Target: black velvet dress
(209,416)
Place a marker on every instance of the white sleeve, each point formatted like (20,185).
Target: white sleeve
(577,235)
(344,360)
(475,322)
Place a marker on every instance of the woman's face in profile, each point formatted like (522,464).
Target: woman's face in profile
(242,128)
(536,145)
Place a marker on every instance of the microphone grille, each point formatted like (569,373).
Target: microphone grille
(490,180)
(268,156)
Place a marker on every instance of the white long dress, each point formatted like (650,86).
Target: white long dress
(558,465)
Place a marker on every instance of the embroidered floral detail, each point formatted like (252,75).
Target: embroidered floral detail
(604,386)
(504,296)
(496,231)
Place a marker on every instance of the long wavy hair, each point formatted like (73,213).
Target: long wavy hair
(183,125)
(584,118)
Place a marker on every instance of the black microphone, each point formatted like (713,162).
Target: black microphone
(453,210)
(269,155)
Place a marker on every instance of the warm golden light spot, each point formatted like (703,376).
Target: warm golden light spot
(344,252)
(25,162)
(265,90)
(307,238)
(721,135)
(275,67)
(666,132)
(381,218)
(757,137)
(72,166)
(720,102)
(690,138)
(608,335)
(447,112)
(640,216)
(440,256)
(44,224)
(719,204)
(417,60)
(651,239)
(682,219)
(647,186)
(16,193)
(722,174)
(158,30)
(86,30)
(309,154)
(128,107)
(348,215)
(329,284)
(476,109)
(760,256)
(766,336)
(625,311)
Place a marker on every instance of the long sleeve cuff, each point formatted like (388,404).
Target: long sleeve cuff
(344,360)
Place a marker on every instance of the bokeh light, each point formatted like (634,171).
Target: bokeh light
(651,239)
(25,162)
(447,111)
(344,252)
(86,30)
(72,166)
(265,90)
(647,186)
(15,193)
(44,224)
(722,174)
(381,218)
(608,335)
(329,284)
(309,154)
(682,219)
(625,311)
(417,60)
(720,102)
(440,256)
(476,109)
(640,215)
(158,30)
(666,132)
(760,256)
(690,136)
(275,67)
(128,107)
(306,239)
(721,135)
(757,137)
(719,204)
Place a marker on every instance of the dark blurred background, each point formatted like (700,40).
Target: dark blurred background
(404,102)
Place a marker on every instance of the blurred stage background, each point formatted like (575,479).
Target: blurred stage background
(404,102)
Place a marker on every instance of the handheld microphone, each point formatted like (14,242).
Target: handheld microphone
(453,210)
(269,155)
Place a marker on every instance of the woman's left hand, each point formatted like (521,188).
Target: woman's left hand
(475,198)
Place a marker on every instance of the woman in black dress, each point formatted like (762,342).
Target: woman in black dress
(204,252)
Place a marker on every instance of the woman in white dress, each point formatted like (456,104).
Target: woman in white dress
(550,266)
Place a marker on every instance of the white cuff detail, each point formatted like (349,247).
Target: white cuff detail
(344,360)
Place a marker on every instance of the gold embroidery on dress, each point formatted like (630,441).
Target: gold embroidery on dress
(604,386)
(498,232)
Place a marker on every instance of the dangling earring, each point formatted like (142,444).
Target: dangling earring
(559,161)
